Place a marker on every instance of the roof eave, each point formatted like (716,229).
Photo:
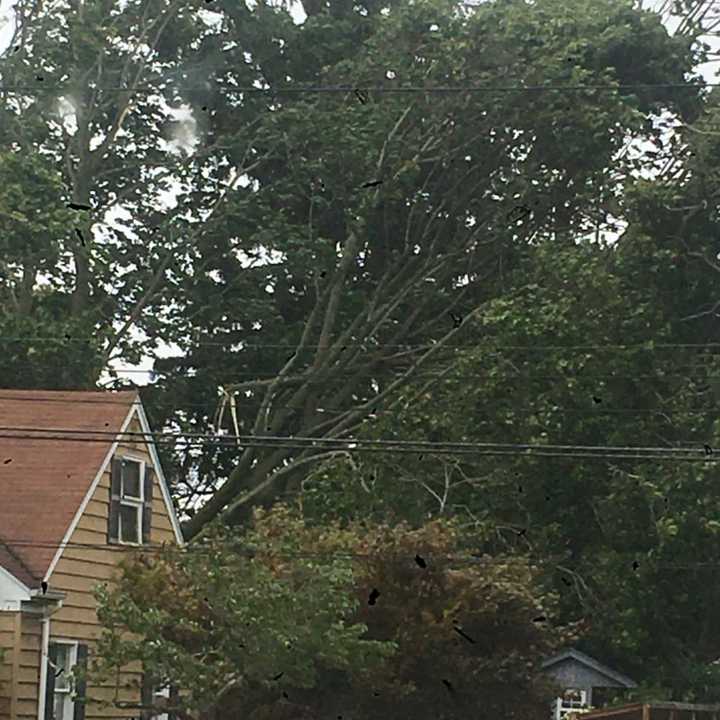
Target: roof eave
(49,594)
(576,655)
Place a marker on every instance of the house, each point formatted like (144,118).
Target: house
(579,674)
(70,506)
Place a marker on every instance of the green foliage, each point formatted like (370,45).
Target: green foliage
(36,227)
(619,543)
(575,356)
(182,276)
(284,606)
(445,164)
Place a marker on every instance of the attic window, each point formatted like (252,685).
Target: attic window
(131,480)
(131,501)
(130,512)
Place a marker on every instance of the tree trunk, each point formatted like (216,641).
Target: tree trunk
(25,303)
(81,293)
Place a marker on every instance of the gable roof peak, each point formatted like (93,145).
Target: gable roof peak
(588,661)
(43,481)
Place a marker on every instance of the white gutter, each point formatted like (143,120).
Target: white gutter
(43,665)
(47,612)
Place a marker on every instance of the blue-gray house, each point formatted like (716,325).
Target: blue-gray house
(578,674)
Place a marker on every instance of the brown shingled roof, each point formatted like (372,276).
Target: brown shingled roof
(43,482)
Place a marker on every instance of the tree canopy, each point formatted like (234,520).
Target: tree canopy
(344,619)
(361,278)
(403,262)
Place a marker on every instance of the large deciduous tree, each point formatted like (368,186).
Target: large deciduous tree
(366,277)
(607,345)
(363,274)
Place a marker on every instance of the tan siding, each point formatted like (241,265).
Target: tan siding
(75,566)
(28,672)
(80,568)
(27,689)
(81,583)
(97,507)
(28,658)
(159,521)
(27,709)
(19,673)
(17,642)
(28,675)
(108,556)
(7,620)
(93,530)
(7,637)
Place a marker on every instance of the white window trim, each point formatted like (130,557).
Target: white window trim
(162,692)
(133,502)
(561,710)
(68,705)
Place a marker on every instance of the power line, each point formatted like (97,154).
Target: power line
(201,550)
(369,89)
(595,410)
(648,345)
(425,374)
(358,445)
(588,411)
(344,449)
(313,440)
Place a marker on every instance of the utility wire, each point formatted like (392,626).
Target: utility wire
(356,445)
(200,550)
(202,444)
(368,88)
(648,345)
(428,373)
(313,440)
(595,410)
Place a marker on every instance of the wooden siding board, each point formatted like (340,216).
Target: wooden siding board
(27,690)
(30,642)
(7,620)
(97,507)
(70,582)
(83,566)
(109,557)
(19,675)
(17,641)
(29,664)
(28,658)
(92,530)
(7,635)
(27,708)
(27,674)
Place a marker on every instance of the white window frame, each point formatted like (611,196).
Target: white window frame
(131,501)
(68,704)
(563,708)
(162,692)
